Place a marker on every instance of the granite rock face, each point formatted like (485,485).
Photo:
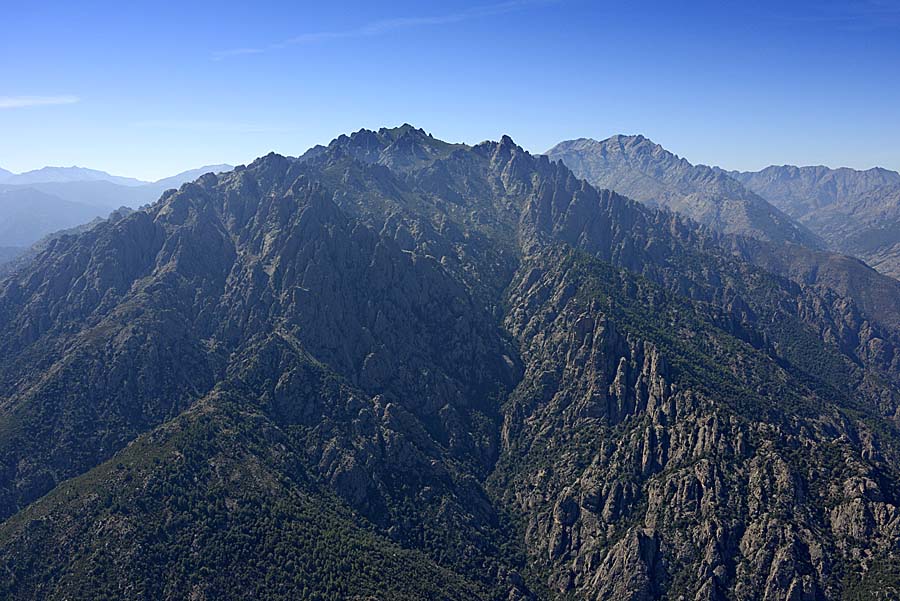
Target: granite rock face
(400,368)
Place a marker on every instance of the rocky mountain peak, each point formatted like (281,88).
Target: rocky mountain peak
(402,148)
(404,130)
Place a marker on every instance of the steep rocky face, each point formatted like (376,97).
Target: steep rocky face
(645,470)
(257,266)
(403,368)
(638,168)
(854,212)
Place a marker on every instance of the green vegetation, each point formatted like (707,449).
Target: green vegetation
(208,505)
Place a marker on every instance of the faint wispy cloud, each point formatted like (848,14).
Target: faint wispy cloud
(859,15)
(208,126)
(385,26)
(17,102)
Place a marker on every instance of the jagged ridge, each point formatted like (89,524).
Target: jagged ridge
(484,364)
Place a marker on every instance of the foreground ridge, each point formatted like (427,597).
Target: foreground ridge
(401,368)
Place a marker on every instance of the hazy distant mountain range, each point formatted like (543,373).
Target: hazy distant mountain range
(843,210)
(39,202)
(65,174)
(26,214)
(854,212)
(640,169)
(801,191)
(398,368)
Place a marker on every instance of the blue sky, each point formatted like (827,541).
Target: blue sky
(149,89)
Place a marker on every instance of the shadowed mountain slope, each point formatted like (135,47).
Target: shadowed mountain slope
(402,368)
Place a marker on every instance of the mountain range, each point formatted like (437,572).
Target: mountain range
(27,214)
(640,169)
(842,210)
(40,202)
(65,174)
(854,212)
(400,368)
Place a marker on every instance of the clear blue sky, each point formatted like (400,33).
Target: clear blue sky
(147,89)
